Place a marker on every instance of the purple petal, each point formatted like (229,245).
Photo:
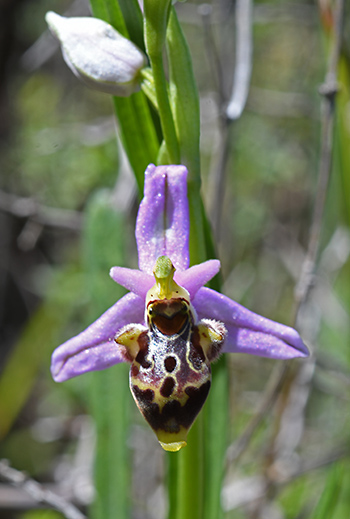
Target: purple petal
(249,332)
(197,276)
(94,348)
(134,280)
(162,225)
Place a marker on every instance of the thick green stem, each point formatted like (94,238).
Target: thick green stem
(189,497)
(198,251)
(184,97)
(137,129)
(156,13)
(166,117)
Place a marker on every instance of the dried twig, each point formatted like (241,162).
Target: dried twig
(45,46)
(205,11)
(279,445)
(328,90)
(243,491)
(243,67)
(235,107)
(279,374)
(271,392)
(23,207)
(37,492)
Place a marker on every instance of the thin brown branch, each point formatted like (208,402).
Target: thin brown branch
(247,490)
(328,90)
(270,395)
(280,375)
(218,176)
(39,493)
(279,444)
(333,456)
(234,109)
(205,10)
(244,53)
(24,207)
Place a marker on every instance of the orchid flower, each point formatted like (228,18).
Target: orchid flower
(170,327)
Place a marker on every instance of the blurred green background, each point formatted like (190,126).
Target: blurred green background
(65,185)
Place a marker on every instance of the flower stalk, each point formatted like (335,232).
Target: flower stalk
(190,475)
(155,24)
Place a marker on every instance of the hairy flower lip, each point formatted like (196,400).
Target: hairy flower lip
(162,228)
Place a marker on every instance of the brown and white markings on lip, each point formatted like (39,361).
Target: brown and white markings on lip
(170,359)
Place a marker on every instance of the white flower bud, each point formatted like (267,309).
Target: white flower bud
(97,54)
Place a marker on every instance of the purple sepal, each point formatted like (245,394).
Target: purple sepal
(162,225)
(249,332)
(197,276)
(261,344)
(94,348)
(133,280)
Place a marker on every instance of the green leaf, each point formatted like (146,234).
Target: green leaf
(136,125)
(104,244)
(36,343)
(138,133)
(216,435)
(133,20)
(184,98)
(156,17)
(185,106)
(109,10)
(328,501)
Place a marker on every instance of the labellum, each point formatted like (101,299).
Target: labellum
(170,358)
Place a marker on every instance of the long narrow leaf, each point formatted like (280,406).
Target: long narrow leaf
(104,245)
(133,20)
(137,129)
(31,353)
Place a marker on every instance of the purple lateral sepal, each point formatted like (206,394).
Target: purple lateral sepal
(162,226)
(249,332)
(94,348)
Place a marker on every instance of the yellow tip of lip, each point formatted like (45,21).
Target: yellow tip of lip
(173,446)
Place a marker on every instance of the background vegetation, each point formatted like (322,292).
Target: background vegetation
(288,453)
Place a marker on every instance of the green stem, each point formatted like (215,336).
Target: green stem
(166,117)
(137,129)
(189,503)
(198,252)
(216,422)
(156,14)
(184,98)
